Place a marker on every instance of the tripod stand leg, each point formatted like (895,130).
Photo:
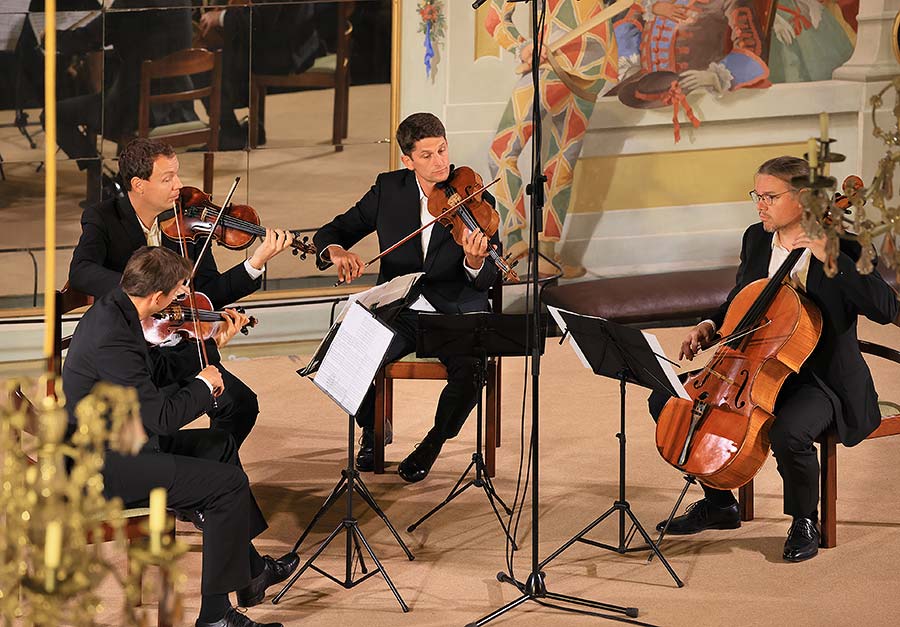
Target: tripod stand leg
(359,555)
(452,495)
(308,563)
(379,568)
(491,497)
(336,493)
(366,496)
(688,481)
(490,486)
(577,537)
(653,547)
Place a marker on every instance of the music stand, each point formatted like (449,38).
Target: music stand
(476,335)
(349,483)
(618,352)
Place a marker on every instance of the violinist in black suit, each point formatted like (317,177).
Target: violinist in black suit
(834,388)
(456,277)
(199,468)
(114,229)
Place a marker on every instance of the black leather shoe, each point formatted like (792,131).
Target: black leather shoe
(703,515)
(194,516)
(274,572)
(365,457)
(418,463)
(802,541)
(233,618)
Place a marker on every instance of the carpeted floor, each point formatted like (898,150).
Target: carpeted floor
(297,449)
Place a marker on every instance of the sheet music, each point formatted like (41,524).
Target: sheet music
(384,294)
(671,375)
(355,354)
(64,20)
(12,19)
(554,311)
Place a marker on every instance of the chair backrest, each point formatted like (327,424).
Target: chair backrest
(67,299)
(183,63)
(890,423)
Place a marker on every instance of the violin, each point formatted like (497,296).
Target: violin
(238,228)
(179,319)
(720,436)
(458,203)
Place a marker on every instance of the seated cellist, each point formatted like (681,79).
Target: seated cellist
(834,388)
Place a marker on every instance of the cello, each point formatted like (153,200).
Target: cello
(720,436)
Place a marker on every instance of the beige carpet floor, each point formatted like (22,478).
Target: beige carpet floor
(296,451)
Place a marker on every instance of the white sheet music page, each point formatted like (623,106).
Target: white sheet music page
(554,311)
(355,354)
(671,375)
(384,294)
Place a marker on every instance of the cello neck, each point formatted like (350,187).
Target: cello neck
(762,302)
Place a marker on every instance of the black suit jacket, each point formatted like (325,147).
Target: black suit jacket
(108,345)
(391,209)
(837,363)
(111,232)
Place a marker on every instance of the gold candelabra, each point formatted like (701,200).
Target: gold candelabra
(52,510)
(850,214)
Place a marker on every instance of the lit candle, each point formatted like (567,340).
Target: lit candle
(812,152)
(823,126)
(52,552)
(157,519)
(49,177)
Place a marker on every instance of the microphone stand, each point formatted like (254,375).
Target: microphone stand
(534,587)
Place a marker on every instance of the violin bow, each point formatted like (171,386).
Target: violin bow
(219,214)
(443,215)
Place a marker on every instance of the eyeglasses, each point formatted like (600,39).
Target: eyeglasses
(768,199)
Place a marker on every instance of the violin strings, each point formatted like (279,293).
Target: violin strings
(249,227)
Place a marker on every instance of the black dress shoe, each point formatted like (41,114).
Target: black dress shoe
(365,457)
(274,572)
(703,515)
(194,516)
(802,541)
(233,618)
(418,463)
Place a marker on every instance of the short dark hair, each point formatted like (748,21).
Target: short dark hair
(138,156)
(785,168)
(418,126)
(154,269)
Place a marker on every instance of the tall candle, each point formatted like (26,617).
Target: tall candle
(53,544)
(812,152)
(157,518)
(823,126)
(49,176)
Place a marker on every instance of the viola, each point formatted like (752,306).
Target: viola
(458,203)
(720,436)
(179,318)
(238,228)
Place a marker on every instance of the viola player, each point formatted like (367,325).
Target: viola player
(833,389)
(456,278)
(118,226)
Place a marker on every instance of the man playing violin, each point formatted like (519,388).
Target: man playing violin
(456,277)
(199,468)
(834,388)
(114,229)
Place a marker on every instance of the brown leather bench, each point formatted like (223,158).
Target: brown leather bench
(685,298)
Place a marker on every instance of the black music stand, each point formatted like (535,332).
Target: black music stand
(349,483)
(618,352)
(477,335)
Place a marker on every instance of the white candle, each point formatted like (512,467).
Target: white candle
(812,151)
(53,544)
(823,126)
(157,519)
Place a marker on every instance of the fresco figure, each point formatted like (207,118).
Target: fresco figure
(570,79)
(810,40)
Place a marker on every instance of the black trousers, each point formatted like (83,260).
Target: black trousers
(458,397)
(237,407)
(803,412)
(199,468)
(71,115)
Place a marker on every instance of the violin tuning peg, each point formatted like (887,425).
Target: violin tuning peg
(295,252)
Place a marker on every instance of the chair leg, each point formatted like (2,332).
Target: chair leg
(828,496)
(491,422)
(745,500)
(380,418)
(209,159)
(497,383)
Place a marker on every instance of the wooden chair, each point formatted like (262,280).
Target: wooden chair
(67,300)
(890,425)
(414,368)
(329,72)
(185,63)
